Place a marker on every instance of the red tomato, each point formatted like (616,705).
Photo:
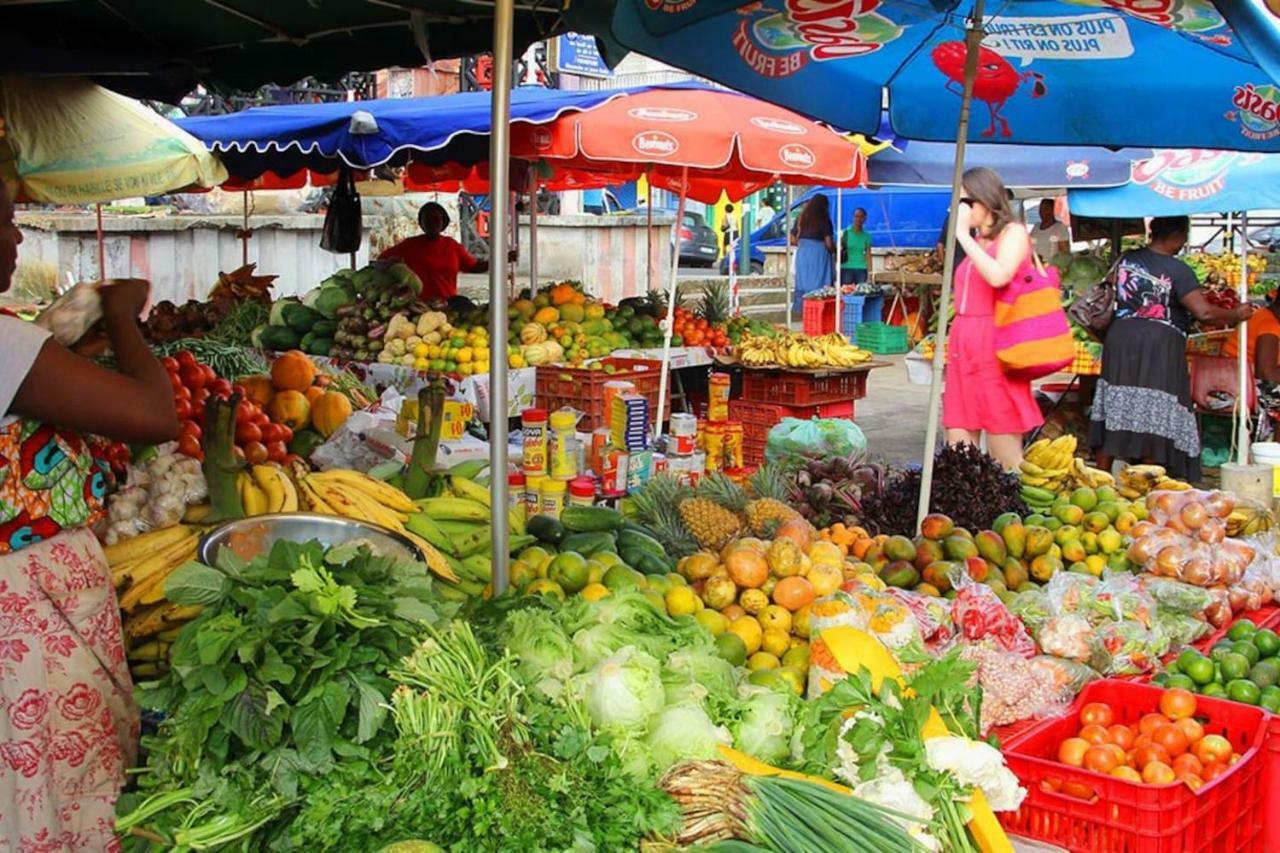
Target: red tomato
(255,453)
(286,433)
(238,452)
(193,377)
(1150,722)
(182,392)
(238,389)
(200,396)
(245,412)
(186,359)
(276,451)
(270,433)
(1171,738)
(175,382)
(220,388)
(189,445)
(190,428)
(184,410)
(1212,770)
(1121,735)
(209,374)
(1095,734)
(1213,748)
(261,419)
(248,432)
(1097,714)
(170,363)
(198,412)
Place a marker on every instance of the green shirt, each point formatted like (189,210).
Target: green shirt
(856,244)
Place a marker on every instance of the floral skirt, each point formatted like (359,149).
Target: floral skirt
(68,725)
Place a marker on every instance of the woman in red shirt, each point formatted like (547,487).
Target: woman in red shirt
(433,257)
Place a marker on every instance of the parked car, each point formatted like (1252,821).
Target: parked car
(905,218)
(698,244)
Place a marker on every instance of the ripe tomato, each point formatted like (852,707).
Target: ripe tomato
(1158,773)
(1071,751)
(192,377)
(190,428)
(255,453)
(175,382)
(170,364)
(1150,722)
(286,433)
(189,445)
(1127,773)
(200,395)
(187,359)
(183,409)
(182,392)
(1097,714)
(238,452)
(1100,759)
(261,418)
(209,374)
(277,452)
(1121,736)
(1191,728)
(1144,755)
(248,432)
(1171,738)
(1177,703)
(1212,770)
(245,412)
(220,388)
(1187,763)
(1211,748)
(1095,734)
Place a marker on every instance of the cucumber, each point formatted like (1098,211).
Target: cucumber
(590,519)
(632,540)
(646,563)
(545,528)
(587,544)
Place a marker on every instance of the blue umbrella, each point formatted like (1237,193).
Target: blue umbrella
(1185,182)
(929,164)
(1054,72)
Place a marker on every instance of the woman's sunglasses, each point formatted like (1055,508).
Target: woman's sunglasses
(964,199)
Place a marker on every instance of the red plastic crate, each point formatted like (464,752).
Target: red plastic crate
(1226,814)
(583,390)
(1263,617)
(799,388)
(1271,781)
(758,418)
(819,316)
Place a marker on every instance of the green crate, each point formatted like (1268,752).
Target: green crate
(882,338)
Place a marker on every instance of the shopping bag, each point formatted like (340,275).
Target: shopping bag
(1032,335)
(344,221)
(1094,309)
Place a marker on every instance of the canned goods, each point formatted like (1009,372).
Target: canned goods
(562,450)
(718,397)
(533,427)
(553,496)
(715,444)
(733,444)
(533,494)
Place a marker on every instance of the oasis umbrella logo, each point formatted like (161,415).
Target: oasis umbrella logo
(671,114)
(540,138)
(655,143)
(1257,110)
(778,125)
(1189,174)
(797,155)
(670,7)
(779,44)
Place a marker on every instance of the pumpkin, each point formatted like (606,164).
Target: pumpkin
(562,293)
(532,333)
(330,412)
(293,371)
(291,409)
(313,393)
(546,316)
(258,389)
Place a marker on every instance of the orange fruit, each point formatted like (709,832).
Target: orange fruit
(793,593)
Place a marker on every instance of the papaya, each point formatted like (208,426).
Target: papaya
(991,546)
(1015,538)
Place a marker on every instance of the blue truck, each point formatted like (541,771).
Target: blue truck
(898,218)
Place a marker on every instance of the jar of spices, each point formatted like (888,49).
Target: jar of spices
(582,491)
(554,494)
(563,448)
(718,397)
(515,489)
(533,426)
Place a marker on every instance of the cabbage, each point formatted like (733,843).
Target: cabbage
(634,756)
(541,647)
(695,675)
(624,692)
(627,618)
(685,732)
(763,730)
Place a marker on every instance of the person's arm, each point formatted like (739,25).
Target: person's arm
(830,244)
(1206,312)
(867,255)
(1267,359)
(133,403)
(1012,248)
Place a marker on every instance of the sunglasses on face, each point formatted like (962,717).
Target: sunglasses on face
(964,199)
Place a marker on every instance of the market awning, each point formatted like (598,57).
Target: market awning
(162,50)
(1186,182)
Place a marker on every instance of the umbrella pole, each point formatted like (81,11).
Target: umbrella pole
(533,233)
(671,305)
(648,231)
(973,40)
(244,228)
(839,250)
(786,283)
(1242,347)
(102,247)
(499,188)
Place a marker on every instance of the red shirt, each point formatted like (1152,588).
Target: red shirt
(436,261)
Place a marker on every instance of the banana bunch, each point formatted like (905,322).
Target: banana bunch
(266,489)
(459,524)
(356,495)
(139,568)
(1047,464)
(1087,476)
(1137,481)
(795,350)
(1248,520)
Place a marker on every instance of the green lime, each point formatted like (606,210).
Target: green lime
(1242,630)
(1270,701)
(1186,658)
(1199,668)
(1264,674)
(1234,666)
(1248,649)
(1268,642)
(1220,649)
(1177,679)
(1244,691)
(1215,690)
(1161,679)
(1271,692)
(732,648)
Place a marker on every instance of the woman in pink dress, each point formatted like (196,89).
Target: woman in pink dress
(980,397)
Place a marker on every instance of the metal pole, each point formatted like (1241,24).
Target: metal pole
(648,231)
(102,247)
(973,40)
(671,306)
(533,231)
(839,241)
(244,229)
(499,189)
(1242,346)
(786,283)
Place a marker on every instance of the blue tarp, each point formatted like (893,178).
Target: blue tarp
(1183,183)
(1051,72)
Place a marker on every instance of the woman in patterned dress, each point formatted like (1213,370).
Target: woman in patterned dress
(68,725)
(1142,410)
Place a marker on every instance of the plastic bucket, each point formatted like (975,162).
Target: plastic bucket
(1268,453)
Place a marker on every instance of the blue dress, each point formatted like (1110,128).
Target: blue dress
(814,267)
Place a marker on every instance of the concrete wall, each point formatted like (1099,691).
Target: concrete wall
(181,255)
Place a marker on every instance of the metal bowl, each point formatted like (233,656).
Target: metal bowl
(249,537)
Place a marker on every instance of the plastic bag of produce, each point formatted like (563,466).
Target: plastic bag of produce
(1175,596)
(1033,608)
(1182,629)
(1070,636)
(1071,592)
(1119,596)
(819,437)
(1069,677)
(978,613)
(1132,648)
(933,615)
(886,618)
(1013,687)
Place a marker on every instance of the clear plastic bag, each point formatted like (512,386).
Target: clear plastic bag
(1175,596)
(1186,539)
(1069,677)
(1013,687)
(819,438)
(979,614)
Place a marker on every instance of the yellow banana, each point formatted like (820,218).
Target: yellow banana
(139,547)
(252,498)
(434,559)
(315,502)
(464,488)
(384,493)
(173,553)
(265,478)
(354,504)
(197,513)
(455,509)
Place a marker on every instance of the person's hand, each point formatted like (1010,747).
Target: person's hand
(124,297)
(1244,312)
(94,343)
(961,220)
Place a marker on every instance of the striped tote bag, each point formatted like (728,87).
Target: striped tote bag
(1032,335)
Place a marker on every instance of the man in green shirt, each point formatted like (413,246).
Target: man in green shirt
(856,249)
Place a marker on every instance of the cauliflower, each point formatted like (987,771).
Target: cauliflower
(978,764)
(892,790)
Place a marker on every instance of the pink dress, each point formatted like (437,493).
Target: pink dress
(979,395)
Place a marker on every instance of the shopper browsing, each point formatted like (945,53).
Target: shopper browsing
(855,242)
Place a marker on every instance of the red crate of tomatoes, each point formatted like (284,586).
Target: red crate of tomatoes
(1137,768)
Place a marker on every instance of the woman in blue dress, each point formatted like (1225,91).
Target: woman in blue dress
(814,240)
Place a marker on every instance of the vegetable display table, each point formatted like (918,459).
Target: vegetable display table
(521,384)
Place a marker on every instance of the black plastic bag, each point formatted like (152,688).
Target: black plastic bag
(343,223)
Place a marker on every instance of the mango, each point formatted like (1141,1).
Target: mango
(928,589)
(1139,510)
(1055,550)
(939,574)
(1039,541)
(997,586)
(1085,498)
(1119,561)
(1027,586)
(899,549)
(936,526)
(1096,563)
(976,568)
(1079,568)
(1044,567)
(1065,534)
(927,551)
(1073,552)
(1015,573)
(1090,541)
(1125,521)
(1068,514)
(875,557)
(1034,520)
(1110,541)
(959,548)
(900,574)
(991,546)
(1015,539)
(1111,509)
(1005,520)
(1052,524)
(1096,522)
(1107,493)
(994,574)
(962,533)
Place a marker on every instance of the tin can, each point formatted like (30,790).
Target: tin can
(615,388)
(553,494)
(533,494)
(562,449)
(718,397)
(613,474)
(582,491)
(533,426)
(660,464)
(515,489)
(599,447)
(733,443)
(683,438)
(715,447)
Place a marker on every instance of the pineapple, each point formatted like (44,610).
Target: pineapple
(714,514)
(767,510)
(656,507)
(714,306)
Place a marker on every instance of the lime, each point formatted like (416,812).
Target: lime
(1199,668)
(1268,642)
(1271,700)
(570,570)
(1234,666)
(1242,630)
(1271,693)
(1264,674)
(731,648)
(1241,690)
(1215,690)
(1220,648)
(1186,657)
(1248,649)
(1177,679)
(1161,679)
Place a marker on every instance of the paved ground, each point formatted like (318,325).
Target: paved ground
(893,414)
